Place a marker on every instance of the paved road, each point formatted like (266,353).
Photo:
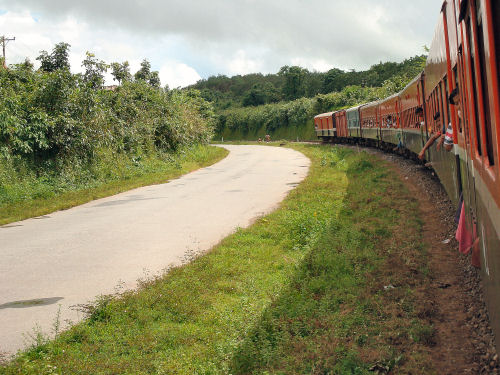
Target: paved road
(70,257)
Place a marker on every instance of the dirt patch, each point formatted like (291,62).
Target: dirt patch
(451,299)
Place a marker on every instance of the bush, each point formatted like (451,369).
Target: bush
(55,126)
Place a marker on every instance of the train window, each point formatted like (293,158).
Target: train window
(455,74)
(443,119)
(486,102)
(464,95)
(472,49)
(436,109)
(447,102)
(496,29)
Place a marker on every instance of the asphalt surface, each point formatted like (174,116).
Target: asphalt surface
(70,257)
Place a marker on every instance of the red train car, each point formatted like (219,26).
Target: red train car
(412,114)
(341,124)
(390,129)
(370,120)
(324,124)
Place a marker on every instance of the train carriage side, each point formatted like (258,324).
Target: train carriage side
(411,121)
(332,125)
(341,124)
(353,123)
(479,136)
(317,126)
(438,110)
(369,119)
(390,130)
(324,125)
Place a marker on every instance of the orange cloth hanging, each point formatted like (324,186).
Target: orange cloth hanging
(463,236)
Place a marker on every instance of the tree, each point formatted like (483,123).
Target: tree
(144,72)
(313,84)
(121,72)
(60,56)
(94,71)
(294,81)
(26,65)
(255,96)
(45,61)
(260,94)
(58,59)
(334,80)
(154,79)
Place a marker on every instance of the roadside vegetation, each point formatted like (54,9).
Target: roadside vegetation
(66,135)
(284,104)
(327,284)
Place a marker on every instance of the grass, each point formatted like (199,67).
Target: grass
(24,196)
(327,284)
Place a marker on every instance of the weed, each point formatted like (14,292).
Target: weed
(423,333)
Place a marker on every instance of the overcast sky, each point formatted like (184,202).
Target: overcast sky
(191,39)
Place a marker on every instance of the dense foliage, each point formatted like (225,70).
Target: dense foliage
(293,82)
(267,119)
(285,103)
(52,121)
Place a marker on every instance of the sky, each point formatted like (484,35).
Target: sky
(186,40)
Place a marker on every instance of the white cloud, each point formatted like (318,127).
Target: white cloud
(240,63)
(312,64)
(177,74)
(225,36)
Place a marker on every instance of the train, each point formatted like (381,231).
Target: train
(463,59)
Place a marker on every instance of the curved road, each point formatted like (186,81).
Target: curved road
(70,257)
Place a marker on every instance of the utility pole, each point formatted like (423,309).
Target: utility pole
(3,41)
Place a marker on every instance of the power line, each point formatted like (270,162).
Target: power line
(3,41)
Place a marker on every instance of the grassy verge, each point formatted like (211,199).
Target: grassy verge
(326,284)
(31,197)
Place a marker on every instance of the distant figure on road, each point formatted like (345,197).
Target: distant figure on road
(268,138)
(260,139)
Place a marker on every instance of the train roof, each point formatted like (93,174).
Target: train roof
(370,104)
(322,115)
(412,82)
(354,108)
(389,98)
